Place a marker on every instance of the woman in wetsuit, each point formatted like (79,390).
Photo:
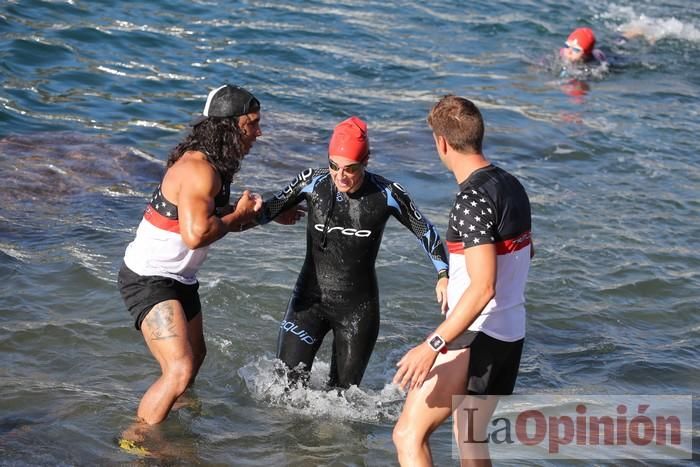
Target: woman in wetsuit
(348,208)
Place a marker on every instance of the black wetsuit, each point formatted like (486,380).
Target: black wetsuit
(337,286)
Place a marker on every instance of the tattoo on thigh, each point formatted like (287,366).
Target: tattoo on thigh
(161,321)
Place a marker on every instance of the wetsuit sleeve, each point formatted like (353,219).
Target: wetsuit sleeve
(599,55)
(289,196)
(407,213)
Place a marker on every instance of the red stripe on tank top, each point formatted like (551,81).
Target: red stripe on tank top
(502,248)
(158,220)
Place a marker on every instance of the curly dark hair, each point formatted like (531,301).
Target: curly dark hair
(219,139)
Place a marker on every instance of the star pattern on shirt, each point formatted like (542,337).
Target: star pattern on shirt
(472,218)
(162,206)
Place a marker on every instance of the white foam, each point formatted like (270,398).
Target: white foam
(268,381)
(145,155)
(99,264)
(12,251)
(150,124)
(651,28)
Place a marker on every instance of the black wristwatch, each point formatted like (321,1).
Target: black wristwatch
(443,273)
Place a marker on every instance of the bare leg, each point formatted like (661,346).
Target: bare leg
(195,335)
(470,422)
(428,406)
(166,333)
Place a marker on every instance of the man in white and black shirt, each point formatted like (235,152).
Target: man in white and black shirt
(477,349)
(492,208)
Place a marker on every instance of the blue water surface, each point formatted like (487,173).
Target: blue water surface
(94,94)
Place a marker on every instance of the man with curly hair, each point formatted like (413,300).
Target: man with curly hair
(189,210)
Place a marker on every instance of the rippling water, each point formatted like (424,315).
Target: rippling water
(94,96)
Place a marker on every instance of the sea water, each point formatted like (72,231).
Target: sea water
(95,94)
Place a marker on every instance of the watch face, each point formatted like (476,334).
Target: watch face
(436,342)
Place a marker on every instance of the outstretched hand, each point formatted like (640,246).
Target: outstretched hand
(291,215)
(415,366)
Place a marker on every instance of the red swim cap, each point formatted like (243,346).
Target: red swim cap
(585,39)
(350,140)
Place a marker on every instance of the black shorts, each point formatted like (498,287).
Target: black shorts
(493,363)
(142,293)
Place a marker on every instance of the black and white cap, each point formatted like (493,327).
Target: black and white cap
(230,101)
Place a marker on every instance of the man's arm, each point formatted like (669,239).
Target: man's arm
(481,267)
(199,226)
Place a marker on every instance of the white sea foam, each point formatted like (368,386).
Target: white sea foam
(268,381)
(150,124)
(11,250)
(126,26)
(99,264)
(145,155)
(653,29)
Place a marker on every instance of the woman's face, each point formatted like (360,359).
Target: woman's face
(572,52)
(347,174)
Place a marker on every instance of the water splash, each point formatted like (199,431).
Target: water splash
(269,382)
(651,28)
(566,71)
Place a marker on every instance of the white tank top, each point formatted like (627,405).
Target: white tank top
(158,250)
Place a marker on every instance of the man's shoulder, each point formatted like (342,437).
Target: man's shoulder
(193,161)
(491,175)
(191,170)
(492,183)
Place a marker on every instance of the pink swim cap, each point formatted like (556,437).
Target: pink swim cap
(585,39)
(350,140)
